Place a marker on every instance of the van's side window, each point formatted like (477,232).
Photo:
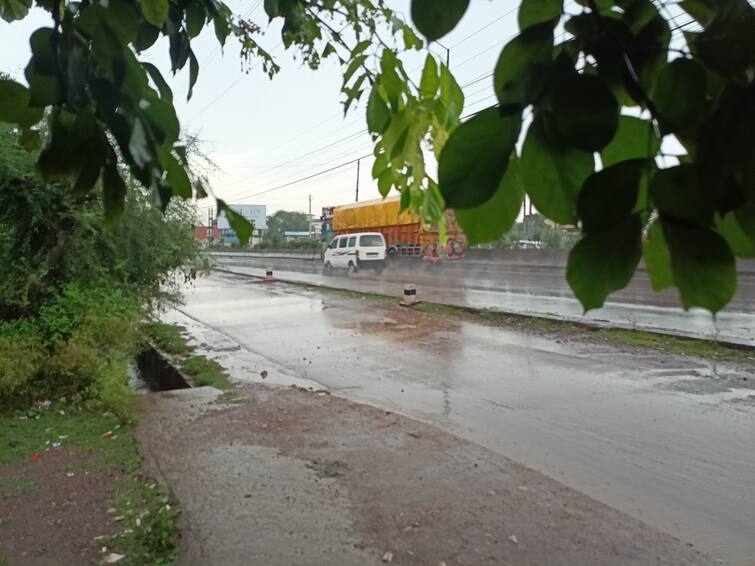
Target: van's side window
(342,242)
(352,241)
(333,244)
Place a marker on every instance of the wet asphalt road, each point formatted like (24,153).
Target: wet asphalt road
(669,440)
(529,286)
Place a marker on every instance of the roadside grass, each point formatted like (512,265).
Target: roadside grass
(168,337)
(206,372)
(352,294)
(678,345)
(150,536)
(149,523)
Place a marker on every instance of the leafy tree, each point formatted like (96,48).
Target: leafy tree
(582,118)
(284,220)
(49,238)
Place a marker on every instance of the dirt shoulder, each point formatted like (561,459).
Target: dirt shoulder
(289,476)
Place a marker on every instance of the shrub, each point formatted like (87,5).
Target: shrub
(22,355)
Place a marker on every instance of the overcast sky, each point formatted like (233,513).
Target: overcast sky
(265,133)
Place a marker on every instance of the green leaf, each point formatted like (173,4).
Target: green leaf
(222,29)
(553,174)
(521,68)
(635,139)
(360,47)
(275,8)
(30,140)
(195,18)
(114,194)
(155,11)
(533,12)
(176,175)
(739,242)
(435,18)
(451,96)
(681,114)
(392,84)
(239,224)
(14,105)
(378,114)
(702,264)
(701,10)
(475,158)
(121,18)
(677,193)
(496,216)
(585,112)
(411,40)
(657,258)
(328,50)
(146,36)
(604,262)
(193,73)
(162,120)
(430,80)
(385,182)
(352,68)
(12,10)
(727,45)
(157,78)
(432,204)
(609,196)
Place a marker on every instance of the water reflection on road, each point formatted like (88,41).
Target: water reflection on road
(666,439)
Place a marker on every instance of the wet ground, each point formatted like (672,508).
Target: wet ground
(291,477)
(667,439)
(526,286)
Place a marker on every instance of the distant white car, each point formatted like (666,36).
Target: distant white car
(363,250)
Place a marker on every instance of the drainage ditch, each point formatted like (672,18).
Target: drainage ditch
(158,372)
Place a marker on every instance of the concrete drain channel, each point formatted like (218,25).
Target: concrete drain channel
(159,373)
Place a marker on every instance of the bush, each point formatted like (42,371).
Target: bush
(22,356)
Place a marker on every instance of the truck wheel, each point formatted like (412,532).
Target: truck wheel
(392,256)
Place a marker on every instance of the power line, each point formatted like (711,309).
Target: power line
(471,35)
(230,87)
(339,166)
(308,177)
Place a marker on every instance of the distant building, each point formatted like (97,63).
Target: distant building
(205,236)
(255,213)
(295,235)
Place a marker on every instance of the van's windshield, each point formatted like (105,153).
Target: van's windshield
(371,240)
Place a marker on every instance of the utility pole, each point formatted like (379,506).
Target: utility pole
(448,54)
(309,219)
(209,225)
(357,197)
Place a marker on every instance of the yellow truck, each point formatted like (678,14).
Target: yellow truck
(403,232)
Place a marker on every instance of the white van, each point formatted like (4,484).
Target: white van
(364,250)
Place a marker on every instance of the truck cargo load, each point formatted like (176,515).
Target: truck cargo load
(403,232)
